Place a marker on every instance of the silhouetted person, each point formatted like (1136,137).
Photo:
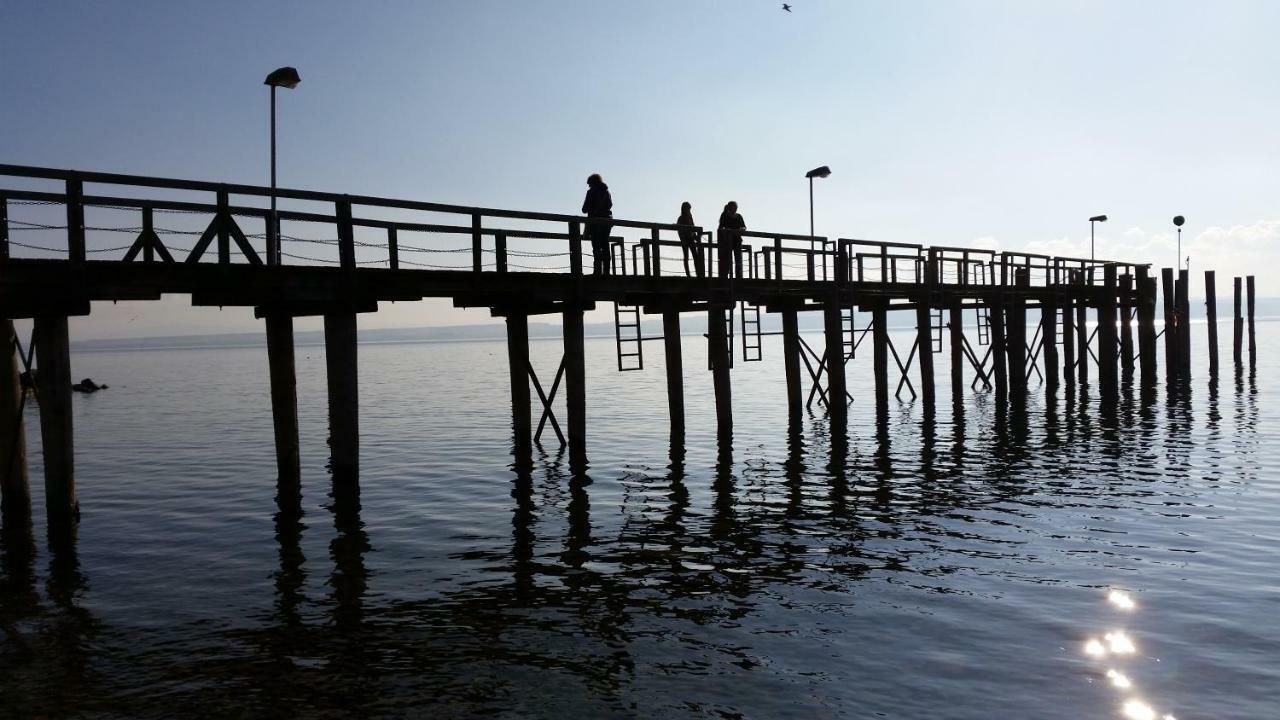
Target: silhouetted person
(731,227)
(689,240)
(598,204)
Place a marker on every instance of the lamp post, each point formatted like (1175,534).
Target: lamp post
(818,172)
(285,77)
(1092,220)
(1177,221)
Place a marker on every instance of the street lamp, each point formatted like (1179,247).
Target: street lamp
(1092,220)
(285,77)
(1177,221)
(818,172)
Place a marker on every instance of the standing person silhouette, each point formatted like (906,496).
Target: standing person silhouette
(598,204)
(731,227)
(689,240)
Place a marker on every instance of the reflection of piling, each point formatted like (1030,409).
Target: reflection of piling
(344,402)
(1237,342)
(1106,314)
(1147,327)
(675,370)
(1253,342)
(53,357)
(15,488)
(1211,318)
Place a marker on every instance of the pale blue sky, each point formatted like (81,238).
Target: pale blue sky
(1005,123)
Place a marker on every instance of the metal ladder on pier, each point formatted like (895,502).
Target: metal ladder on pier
(848,333)
(935,329)
(751,345)
(626,328)
(984,325)
(728,332)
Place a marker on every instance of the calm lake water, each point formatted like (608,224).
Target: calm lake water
(958,570)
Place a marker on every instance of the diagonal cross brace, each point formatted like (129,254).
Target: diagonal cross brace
(905,369)
(547,400)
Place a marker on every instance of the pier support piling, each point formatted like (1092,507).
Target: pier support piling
(791,363)
(1237,342)
(718,348)
(1253,341)
(924,353)
(518,364)
(1016,337)
(880,356)
(1068,343)
(1049,335)
(53,358)
(1170,327)
(675,371)
(1082,331)
(1211,320)
(1106,315)
(575,384)
(1126,328)
(284,402)
(955,323)
(15,486)
(344,401)
(999,351)
(1183,314)
(1147,328)
(837,405)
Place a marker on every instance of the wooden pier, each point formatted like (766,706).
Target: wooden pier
(354,252)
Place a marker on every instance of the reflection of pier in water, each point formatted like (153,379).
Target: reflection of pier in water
(57,255)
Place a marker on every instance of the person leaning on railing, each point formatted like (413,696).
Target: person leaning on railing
(689,240)
(598,204)
(731,227)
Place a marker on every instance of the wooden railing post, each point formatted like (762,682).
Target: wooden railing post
(575,248)
(224,227)
(500,251)
(657,252)
(346,236)
(393,248)
(75,221)
(148,252)
(477,248)
(4,228)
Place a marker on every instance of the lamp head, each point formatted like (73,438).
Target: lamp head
(1098,218)
(819,172)
(285,77)
(1178,220)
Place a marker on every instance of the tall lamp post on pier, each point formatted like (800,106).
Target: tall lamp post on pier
(818,172)
(1092,220)
(285,77)
(1177,221)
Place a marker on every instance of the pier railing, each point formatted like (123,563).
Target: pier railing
(87,216)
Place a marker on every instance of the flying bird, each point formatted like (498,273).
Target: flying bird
(786,7)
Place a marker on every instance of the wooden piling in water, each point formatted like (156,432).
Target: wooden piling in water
(1238,317)
(1068,343)
(284,401)
(837,407)
(791,365)
(955,323)
(1016,338)
(1183,315)
(999,349)
(675,370)
(718,348)
(1171,364)
(1082,331)
(1126,328)
(1106,314)
(53,360)
(1211,319)
(575,383)
(1049,340)
(15,485)
(880,355)
(924,354)
(1253,341)
(518,370)
(344,400)
(1147,328)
